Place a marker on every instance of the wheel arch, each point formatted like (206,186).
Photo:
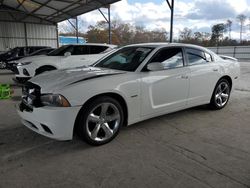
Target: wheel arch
(44,67)
(228,78)
(116,96)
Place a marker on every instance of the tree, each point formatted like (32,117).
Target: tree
(185,34)
(217,33)
(123,33)
(241,18)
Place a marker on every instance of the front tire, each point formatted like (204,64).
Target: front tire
(220,95)
(2,65)
(101,121)
(22,80)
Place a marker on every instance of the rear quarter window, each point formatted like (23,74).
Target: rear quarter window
(195,56)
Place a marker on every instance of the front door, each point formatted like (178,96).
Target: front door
(165,90)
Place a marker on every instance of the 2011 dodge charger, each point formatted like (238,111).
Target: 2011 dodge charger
(134,83)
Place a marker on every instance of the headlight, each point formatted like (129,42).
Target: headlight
(55,100)
(25,63)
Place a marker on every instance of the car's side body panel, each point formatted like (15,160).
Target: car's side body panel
(126,85)
(203,78)
(164,90)
(60,62)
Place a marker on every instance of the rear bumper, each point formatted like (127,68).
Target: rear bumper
(53,122)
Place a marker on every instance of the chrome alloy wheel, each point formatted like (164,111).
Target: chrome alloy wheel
(103,122)
(222,94)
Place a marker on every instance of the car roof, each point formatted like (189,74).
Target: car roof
(93,44)
(165,44)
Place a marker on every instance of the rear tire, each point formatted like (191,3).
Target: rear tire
(220,95)
(100,121)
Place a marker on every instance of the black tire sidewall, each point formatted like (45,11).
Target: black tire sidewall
(82,127)
(3,65)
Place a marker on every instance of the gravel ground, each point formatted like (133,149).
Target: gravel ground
(192,148)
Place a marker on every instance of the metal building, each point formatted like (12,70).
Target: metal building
(34,22)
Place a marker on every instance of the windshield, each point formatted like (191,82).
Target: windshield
(40,52)
(126,59)
(61,51)
(12,51)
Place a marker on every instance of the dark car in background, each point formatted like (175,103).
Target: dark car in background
(11,65)
(17,53)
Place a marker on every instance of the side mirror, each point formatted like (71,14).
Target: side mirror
(155,66)
(67,54)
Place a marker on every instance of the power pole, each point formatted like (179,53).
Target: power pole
(77,31)
(108,20)
(171,7)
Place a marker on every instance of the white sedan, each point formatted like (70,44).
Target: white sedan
(135,83)
(68,56)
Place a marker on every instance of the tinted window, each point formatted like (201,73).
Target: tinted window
(30,50)
(97,49)
(61,51)
(42,52)
(195,56)
(127,59)
(20,52)
(80,50)
(169,57)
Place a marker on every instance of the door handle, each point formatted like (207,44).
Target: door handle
(184,77)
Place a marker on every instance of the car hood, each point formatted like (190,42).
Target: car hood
(4,56)
(41,58)
(56,80)
(31,58)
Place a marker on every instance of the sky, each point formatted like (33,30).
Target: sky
(198,15)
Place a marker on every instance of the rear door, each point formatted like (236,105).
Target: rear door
(84,55)
(203,76)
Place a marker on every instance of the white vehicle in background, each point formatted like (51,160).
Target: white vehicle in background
(68,56)
(135,83)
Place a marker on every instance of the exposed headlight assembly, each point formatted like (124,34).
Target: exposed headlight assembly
(55,100)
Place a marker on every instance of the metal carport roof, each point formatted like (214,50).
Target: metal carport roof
(47,11)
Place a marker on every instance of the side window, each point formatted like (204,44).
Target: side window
(21,52)
(80,50)
(169,57)
(208,57)
(30,50)
(97,49)
(195,56)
